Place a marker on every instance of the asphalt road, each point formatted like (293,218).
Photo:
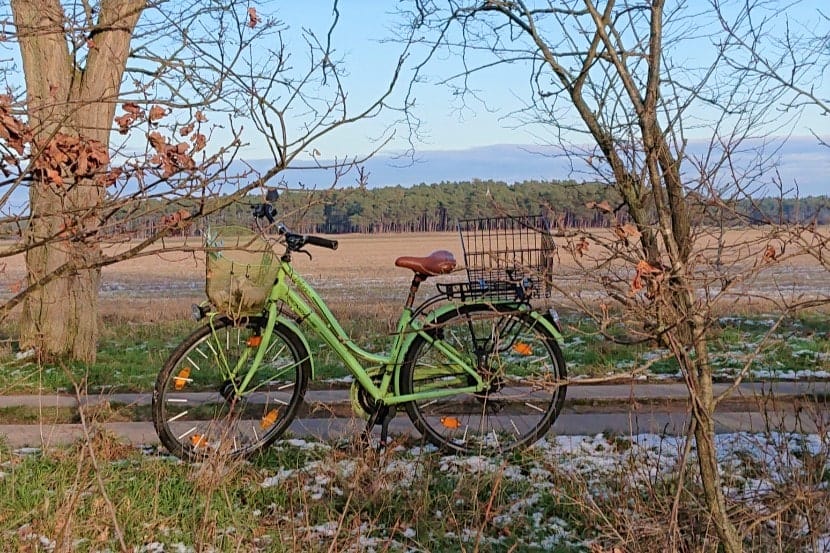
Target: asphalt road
(624,409)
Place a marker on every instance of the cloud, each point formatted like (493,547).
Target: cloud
(801,161)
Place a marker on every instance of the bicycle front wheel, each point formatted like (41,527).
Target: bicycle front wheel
(200,405)
(518,359)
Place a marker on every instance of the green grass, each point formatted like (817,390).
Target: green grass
(131,354)
(129,357)
(62,498)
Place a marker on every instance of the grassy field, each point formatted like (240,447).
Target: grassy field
(145,307)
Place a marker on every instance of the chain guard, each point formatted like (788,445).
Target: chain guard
(363,405)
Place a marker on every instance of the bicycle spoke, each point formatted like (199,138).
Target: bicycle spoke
(198,408)
(514,358)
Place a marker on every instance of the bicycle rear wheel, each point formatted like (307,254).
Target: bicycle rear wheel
(518,358)
(198,407)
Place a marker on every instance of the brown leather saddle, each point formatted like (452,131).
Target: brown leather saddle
(438,262)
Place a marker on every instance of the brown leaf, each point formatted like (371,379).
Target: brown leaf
(647,268)
(253,18)
(109,178)
(132,107)
(769,254)
(631,230)
(124,122)
(200,117)
(156,113)
(199,142)
(53,176)
(14,131)
(581,247)
(603,206)
(647,274)
(157,141)
(187,129)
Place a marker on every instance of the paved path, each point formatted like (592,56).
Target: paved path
(623,409)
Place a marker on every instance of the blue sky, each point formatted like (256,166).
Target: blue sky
(456,139)
(458,142)
(478,142)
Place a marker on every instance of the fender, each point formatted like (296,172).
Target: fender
(549,320)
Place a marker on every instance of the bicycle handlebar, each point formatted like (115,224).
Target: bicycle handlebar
(294,241)
(320,241)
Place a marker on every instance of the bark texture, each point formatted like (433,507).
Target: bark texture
(67,98)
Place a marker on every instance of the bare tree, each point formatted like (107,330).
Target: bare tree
(616,86)
(130,101)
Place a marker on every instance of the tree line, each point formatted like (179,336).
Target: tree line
(439,206)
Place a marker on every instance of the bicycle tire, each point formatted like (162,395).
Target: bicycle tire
(517,356)
(197,410)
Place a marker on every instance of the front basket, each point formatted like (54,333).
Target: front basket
(241,270)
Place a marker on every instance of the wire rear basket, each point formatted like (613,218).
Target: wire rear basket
(240,270)
(508,257)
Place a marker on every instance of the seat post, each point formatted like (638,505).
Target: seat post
(413,289)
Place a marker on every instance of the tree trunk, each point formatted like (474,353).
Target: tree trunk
(703,401)
(60,315)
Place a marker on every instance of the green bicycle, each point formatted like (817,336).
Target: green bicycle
(477,368)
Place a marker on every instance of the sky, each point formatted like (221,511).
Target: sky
(483,140)
(467,143)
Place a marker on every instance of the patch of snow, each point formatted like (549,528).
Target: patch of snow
(27,354)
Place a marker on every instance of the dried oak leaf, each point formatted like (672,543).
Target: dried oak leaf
(581,247)
(124,122)
(14,131)
(253,18)
(631,230)
(53,176)
(199,142)
(156,113)
(91,158)
(200,117)
(170,157)
(603,206)
(187,129)
(109,178)
(646,274)
(769,254)
(132,107)
(157,141)
(179,219)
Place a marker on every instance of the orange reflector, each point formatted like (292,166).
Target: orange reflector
(523,349)
(451,422)
(198,440)
(181,379)
(254,341)
(269,419)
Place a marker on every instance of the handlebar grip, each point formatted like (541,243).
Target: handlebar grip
(322,242)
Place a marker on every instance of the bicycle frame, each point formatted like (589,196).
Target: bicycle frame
(309,308)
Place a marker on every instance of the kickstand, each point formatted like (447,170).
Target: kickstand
(383,416)
(388,414)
